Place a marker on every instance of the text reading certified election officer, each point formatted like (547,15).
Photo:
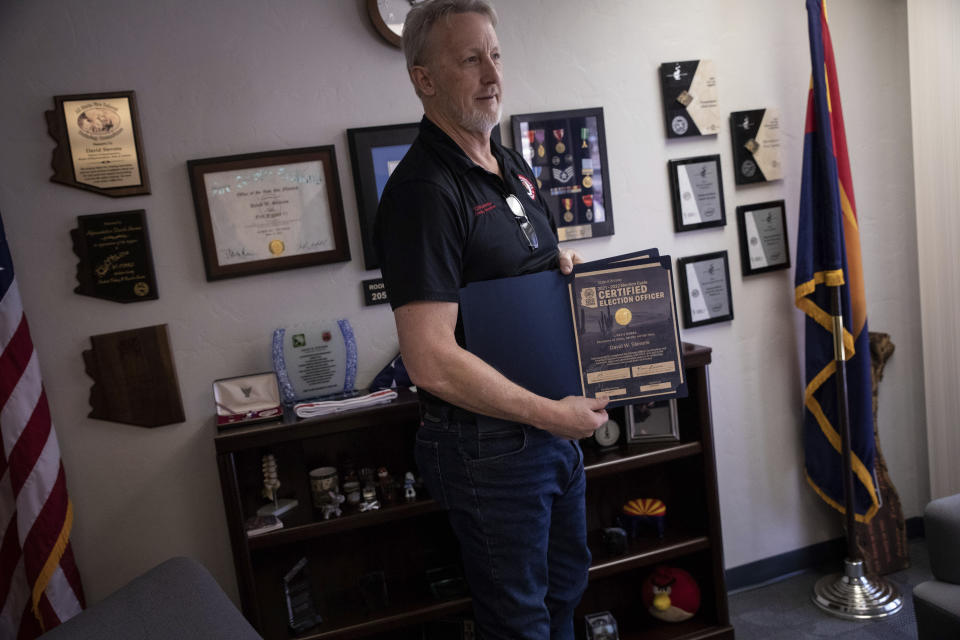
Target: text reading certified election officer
(461,208)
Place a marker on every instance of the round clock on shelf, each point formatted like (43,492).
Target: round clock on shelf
(607,435)
(388,17)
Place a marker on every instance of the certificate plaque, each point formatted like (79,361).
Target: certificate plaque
(316,361)
(705,281)
(99,145)
(763,237)
(115,258)
(697,193)
(755,136)
(627,340)
(689,91)
(269,211)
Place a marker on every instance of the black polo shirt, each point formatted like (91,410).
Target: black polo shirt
(444,222)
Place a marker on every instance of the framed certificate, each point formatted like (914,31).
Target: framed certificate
(705,286)
(567,152)
(268,211)
(652,421)
(99,145)
(375,152)
(696,189)
(763,237)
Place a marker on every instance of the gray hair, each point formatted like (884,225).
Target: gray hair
(416,28)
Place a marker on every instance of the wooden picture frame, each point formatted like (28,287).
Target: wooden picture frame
(652,421)
(696,191)
(762,229)
(705,289)
(567,151)
(269,211)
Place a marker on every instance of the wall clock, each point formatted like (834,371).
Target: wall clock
(388,16)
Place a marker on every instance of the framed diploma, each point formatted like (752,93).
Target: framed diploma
(689,91)
(763,237)
(268,211)
(99,145)
(705,286)
(567,152)
(375,152)
(755,136)
(696,190)
(652,421)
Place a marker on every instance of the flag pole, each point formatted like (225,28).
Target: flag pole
(851,594)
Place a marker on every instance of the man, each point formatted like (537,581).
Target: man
(459,209)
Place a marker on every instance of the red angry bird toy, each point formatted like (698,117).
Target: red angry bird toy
(671,594)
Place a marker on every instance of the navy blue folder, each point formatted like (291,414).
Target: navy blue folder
(523,327)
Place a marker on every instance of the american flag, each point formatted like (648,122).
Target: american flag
(39,582)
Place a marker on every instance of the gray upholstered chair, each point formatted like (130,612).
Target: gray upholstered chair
(937,602)
(176,600)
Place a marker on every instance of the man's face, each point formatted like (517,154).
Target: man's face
(464,62)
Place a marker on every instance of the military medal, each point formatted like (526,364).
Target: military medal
(588,202)
(584,133)
(567,214)
(558,134)
(540,135)
(586,168)
(536,174)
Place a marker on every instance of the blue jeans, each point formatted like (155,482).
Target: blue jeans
(515,498)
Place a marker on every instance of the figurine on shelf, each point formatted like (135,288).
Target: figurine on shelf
(271,485)
(409,491)
(670,594)
(332,509)
(388,491)
(369,502)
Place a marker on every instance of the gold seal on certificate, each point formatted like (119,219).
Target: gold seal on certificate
(623,316)
(276,247)
(98,143)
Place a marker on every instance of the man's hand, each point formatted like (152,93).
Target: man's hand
(578,417)
(566,258)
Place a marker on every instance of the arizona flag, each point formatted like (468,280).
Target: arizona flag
(39,582)
(828,255)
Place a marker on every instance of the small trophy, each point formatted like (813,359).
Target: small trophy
(271,483)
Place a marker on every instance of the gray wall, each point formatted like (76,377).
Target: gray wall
(217,77)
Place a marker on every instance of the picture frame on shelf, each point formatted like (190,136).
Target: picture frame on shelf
(269,211)
(705,289)
(652,422)
(374,153)
(762,229)
(567,151)
(696,191)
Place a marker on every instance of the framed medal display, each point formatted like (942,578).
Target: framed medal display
(689,91)
(375,153)
(763,237)
(705,289)
(755,136)
(567,151)
(696,189)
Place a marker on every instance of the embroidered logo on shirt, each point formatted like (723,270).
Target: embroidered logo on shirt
(528,186)
(481,209)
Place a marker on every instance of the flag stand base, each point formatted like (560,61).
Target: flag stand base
(855,596)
